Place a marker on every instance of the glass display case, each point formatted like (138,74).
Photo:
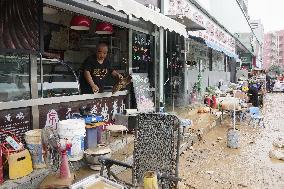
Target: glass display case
(14,77)
(58,79)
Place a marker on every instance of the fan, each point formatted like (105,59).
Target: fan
(56,152)
(50,140)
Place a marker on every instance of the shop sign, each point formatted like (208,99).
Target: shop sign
(106,107)
(16,121)
(184,8)
(246,59)
(213,33)
(52,119)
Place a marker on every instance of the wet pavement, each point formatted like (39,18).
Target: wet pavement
(211,164)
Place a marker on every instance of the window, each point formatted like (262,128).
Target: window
(217,61)
(14,77)
(143,55)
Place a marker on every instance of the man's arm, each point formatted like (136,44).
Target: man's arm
(90,81)
(116,74)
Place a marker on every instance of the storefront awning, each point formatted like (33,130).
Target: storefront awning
(186,13)
(188,22)
(221,49)
(131,7)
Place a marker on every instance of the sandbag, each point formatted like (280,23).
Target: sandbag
(203,110)
(229,105)
(277,154)
(279,143)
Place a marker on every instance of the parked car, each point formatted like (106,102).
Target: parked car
(278,86)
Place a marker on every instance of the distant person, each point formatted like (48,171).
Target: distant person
(268,82)
(280,78)
(253,95)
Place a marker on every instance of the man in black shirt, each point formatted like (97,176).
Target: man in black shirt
(268,83)
(95,69)
(253,95)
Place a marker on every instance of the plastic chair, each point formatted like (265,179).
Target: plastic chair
(255,116)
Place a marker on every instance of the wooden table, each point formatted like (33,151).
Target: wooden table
(240,114)
(116,129)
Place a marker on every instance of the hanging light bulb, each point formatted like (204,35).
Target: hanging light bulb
(104,28)
(80,23)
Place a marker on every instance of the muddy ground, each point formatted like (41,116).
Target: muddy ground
(211,164)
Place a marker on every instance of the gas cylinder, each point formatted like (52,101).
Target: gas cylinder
(214,102)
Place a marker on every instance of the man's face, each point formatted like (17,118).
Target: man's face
(102,53)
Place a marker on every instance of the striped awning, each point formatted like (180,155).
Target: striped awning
(131,7)
(221,49)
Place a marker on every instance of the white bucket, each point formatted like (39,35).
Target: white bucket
(74,131)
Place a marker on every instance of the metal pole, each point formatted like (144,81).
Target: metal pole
(41,75)
(129,69)
(161,66)
(34,90)
(234,122)
(178,152)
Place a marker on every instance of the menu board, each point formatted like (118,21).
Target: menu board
(17,121)
(143,96)
(141,54)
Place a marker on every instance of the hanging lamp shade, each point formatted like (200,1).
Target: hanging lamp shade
(80,23)
(104,28)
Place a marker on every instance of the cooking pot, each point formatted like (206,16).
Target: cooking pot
(92,155)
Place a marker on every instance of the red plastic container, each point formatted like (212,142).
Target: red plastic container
(214,102)
(208,101)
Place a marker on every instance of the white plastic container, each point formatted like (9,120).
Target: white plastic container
(34,145)
(74,131)
(96,181)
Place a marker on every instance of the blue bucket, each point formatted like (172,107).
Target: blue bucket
(92,138)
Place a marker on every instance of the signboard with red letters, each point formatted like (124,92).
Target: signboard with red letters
(213,33)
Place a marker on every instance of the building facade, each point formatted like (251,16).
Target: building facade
(274,49)
(249,44)
(244,6)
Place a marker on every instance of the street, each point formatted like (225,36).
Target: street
(211,164)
